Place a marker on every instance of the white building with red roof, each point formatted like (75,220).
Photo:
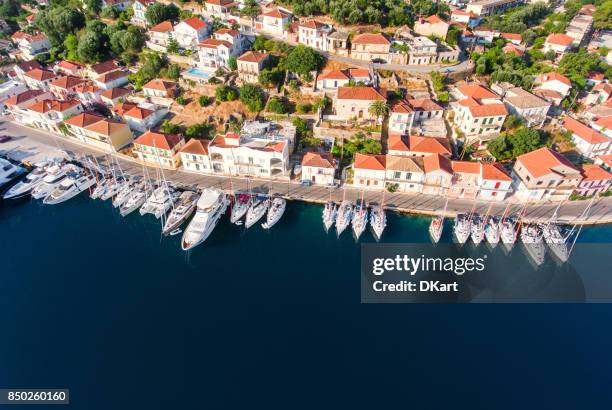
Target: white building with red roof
(354,102)
(409,113)
(195,156)
(559,43)
(595,180)
(220,8)
(406,174)
(65,87)
(414,145)
(49,114)
(190,32)
(159,36)
(332,79)
(599,94)
(17,104)
(143,117)
(159,149)
(438,174)
(113,96)
(589,142)
(544,174)
(479,112)
(313,33)
(464,17)
(160,88)
(319,168)
(39,78)
(215,52)
(605,161)
(140,8)
(250,64)
(69,68)
(553,87)
(370,46)
(431,26)
(274,21)
(21,68)
(369,171)
(88,93)
(30,45)
(494,183)
(112,79)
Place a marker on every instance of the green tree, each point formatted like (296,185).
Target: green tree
(9,9)
(158,12)
(57,22)
(91,47)
(232,63)
(93,6)
(202,130)
(276,105)
(252,97)
(602,17)
(225,93)
(170,128)
(251,9)
(379,109)
(71,43)
(302,60)
(173,46)
(203,100)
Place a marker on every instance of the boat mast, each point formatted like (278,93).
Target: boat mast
(584,214)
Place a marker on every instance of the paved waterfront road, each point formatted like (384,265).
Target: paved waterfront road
(32,144)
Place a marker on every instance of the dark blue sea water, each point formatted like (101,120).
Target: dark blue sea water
(104,306)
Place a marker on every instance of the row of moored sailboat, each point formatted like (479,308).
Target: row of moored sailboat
(357,215)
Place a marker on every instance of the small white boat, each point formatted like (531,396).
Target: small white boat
(135,201)
(477,229)
(360,219)
(507,232)
(531,236)
(275,212)
(55,175)
(330,212)
(101,187)
(239,208)
(123,195)
(344,217)
(492,233)
(9,171)
(256,211)
(114,187)
(24,187)
(556,241)
(435,228)
(462,228)
(159,202)
(378,221)
(70,187)
(183,209)
(211,206)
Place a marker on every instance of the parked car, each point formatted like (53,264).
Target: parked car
(306,182)
(4,138)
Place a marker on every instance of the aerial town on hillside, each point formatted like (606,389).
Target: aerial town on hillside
(478,99)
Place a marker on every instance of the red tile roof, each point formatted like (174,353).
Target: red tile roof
(333,75)
(115,93)
(196,146)
(163,27)
(223,31)
(23,97)
(429,145)
(84,119)
(159,140)
(372,162)
(52,105)
(543,161)
(253,57)
(476,91)
(139,113)
(195,23)
(105,67)
(214,43)
(493,172)
(106,127)
(605,122)
(277,13)
(437,162)
(67,82)
(434,19)
(312,24)
(511,36)
(554,76)
(40,74)
(583,131)
(360,93)
(592,172)
(466,167)
(161,85)
(560,39)
(313,159)
(370,38)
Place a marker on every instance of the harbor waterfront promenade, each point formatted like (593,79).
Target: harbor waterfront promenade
(30,144)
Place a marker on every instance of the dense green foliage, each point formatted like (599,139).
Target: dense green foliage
(252,97)
(158,12)
(277,105)
(200,131)
(519,19)
(153,66)
(577,65)
(515,143)
(358,143)
(602,18)
(225,93)
(302,60)
(58,22)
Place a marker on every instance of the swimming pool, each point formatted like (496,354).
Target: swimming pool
(197,72)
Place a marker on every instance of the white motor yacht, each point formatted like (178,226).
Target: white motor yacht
(360,219)
(378,221)
(160,201)
(241,205)
(492,231)
(183,209)
(531,236)
(9,171)
(135,200)
(556,241)
(114,187)
(70,187)
(435,228)
(24,187)
(462,228)
(344,217)
(211,206)
(125,193)
(477,229)
(330,212)
(275,212)
(55,175)
(256,211)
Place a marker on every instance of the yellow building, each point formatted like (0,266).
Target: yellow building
(108,135)
(159,149)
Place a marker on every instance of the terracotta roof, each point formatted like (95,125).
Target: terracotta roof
(402,163)
(195,23)
(483,110)
(424,104)
(219,2)
(606,159)
(476,91)
(554,76)
(40,74)
(560,39)
(52,105)
(511,36)
(115,93)
(23,97)
(161,85)
(105,67)
(158,139)
(223,31)
(163,27)
(359,73)
(29,65)
(84,119)
(69,65)
(253,57)
(111,76)
(277,13)
(466,167)
(434,19)
(592,172)
(370,38)
(544,161)
(583,131)
(397,142)
(493,172)
(359,93)
(214,43)
(544,93)
(86,87)
(196,146)
(139,113)
(437,162)
(367,161)
(67,82)
(605,87)
(122,108)
(605,122)
(512,48)
(401,107)
(313,24)
(333,75)
(430,145)
(313,159)
(106,127)
(459,12)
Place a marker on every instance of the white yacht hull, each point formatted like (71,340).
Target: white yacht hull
(275,212)
(75,190)
(189,241)
(256,211)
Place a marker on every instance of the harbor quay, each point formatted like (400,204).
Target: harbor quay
(32,145)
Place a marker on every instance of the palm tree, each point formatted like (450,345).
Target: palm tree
(379,109)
